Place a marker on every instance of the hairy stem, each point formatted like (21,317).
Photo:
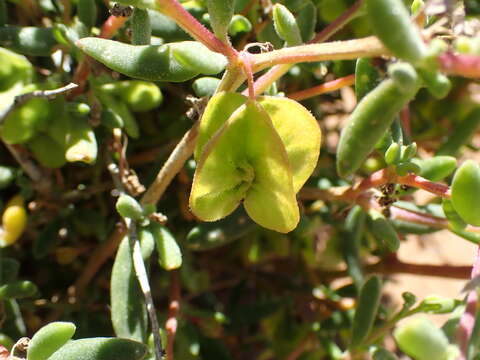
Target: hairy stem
(187,22)
(337,50)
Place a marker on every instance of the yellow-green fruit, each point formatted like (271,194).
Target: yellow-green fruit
(14,221)
(23,123)
(47,151)
(466,192)
(142,95)
(231,168)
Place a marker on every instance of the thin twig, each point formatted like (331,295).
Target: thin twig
(19,100)
(172,166)
(467,321)
(40,180)
(99,256)
(276,72)
(323,88)
(338,23)
(142,277)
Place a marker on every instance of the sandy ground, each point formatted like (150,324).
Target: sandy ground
(437,249)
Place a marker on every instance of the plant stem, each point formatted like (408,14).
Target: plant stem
(187,22)
(111,26)
(100,255)
(427,185)
(275,73)
(44,94)
(337,50)
(467,321)
(172,166)
(465,65)
(41,181)
(323,88)
(338,23)
(142,277)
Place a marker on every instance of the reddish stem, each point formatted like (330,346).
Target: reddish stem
(111,26)
(392,266)
(427,185)
(418,218)
(467,321)
(378,178)
(276,72)
(338,23)
(173,310)
(187,22)
(465,65)
(323,88)
(247,69)
(398,267)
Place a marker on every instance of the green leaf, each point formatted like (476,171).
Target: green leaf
(31,41)
(286,25)
(18,290)
(436,168)
(169,253)
(129,314)
(391,22)
(47,151)
(353,234)
(196,57)
(49,339)
(128,207)
(81,144)
(153,62)
(205,86)
(307,20)
(87,12)
(466,192)
(239,24)
(221,12)
(101,349)
(367,77)
(369,121)
(366,311)
(383,230)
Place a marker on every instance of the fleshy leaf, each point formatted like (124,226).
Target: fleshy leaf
(197,57)
(101,349)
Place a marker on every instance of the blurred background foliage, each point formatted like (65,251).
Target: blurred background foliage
(246,292)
